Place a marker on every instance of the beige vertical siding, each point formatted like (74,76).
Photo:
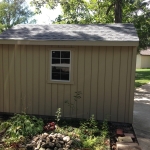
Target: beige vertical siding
(94,83)
(142,61)
(129,75)
(87,81)
(101,82)
(104,75)
(132,80)
(25,79)
(6,78)
(12,79)
(145,61)
(17,88)
(108,82)
(1,80)
(115,83)
(138,61)
(29,71)
(122,83)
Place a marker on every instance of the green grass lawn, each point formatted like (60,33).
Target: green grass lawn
(142,76)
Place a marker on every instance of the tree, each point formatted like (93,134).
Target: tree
(141,20)
(14,12)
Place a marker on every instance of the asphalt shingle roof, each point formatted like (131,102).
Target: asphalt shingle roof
(72,32)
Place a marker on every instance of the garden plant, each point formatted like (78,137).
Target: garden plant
(21,129)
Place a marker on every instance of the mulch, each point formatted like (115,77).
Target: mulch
(117,130)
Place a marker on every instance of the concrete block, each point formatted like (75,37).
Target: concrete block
(126,139)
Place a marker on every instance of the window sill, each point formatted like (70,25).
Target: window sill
(60,82)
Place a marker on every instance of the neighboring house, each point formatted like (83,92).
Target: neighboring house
(42,66)
(143,59)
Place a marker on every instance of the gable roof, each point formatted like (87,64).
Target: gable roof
(145,52)
(71,32)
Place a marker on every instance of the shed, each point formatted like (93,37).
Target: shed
(42,66)
(143,59)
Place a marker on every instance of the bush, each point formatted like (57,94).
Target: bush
(19,127)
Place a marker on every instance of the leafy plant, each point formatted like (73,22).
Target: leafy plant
(14,141)
(58,115)
(89,142)
(21,126)
(77,96)
(25,125)
(89,127)
(104,131)
(4,125)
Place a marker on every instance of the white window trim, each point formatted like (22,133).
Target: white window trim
(60,65)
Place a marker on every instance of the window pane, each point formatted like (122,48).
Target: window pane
(55,54)
(65,54)
(65,61)
(56,69)
(55,61)
(56,76)
(65,76)
(64,69)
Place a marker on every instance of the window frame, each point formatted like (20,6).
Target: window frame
(70,81)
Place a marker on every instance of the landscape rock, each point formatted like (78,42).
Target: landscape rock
(66,139)
(42,148)
(51,144)
(52,141)
(45,145)
(29,146)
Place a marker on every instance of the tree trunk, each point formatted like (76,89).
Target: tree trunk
(118,11)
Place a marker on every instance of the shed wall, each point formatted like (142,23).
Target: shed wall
(138,61)
(145,61)
(104,75)
(142,61)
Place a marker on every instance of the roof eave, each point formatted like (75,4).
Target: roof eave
(69,42)
(145,54)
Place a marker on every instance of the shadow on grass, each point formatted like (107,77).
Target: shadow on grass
(138,84)
(142,76)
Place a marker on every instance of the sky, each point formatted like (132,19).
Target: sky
(47,15)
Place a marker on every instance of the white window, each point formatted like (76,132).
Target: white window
(60,65)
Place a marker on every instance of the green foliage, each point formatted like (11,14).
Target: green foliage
(25,125)
(4,125)
(104,130)
(94,138)
(21,126)
(87,135)
(139,14)
(81,138)
(89,127)
(47,3)
(77,96)
(89,142)
(103,142)
(58,115)
(14,12)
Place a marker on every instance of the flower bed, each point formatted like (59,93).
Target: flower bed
(25,132)
(28,132)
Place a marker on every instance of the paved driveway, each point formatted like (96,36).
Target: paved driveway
(141,116)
